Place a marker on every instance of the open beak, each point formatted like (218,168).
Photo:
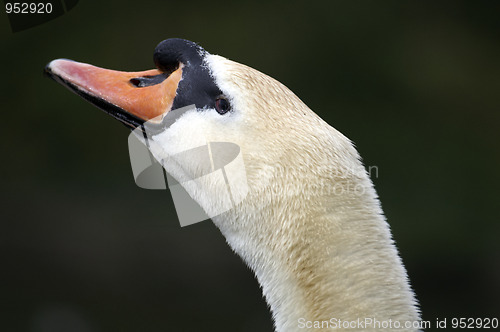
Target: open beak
(131,97)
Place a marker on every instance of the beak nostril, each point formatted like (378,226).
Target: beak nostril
(136,82)
(141,82)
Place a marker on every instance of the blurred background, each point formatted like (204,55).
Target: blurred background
(415,84)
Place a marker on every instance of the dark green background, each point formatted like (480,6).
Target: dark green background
(415,84)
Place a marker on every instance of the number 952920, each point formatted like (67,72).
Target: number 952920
(28,8)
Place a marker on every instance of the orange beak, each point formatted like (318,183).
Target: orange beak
(131,97)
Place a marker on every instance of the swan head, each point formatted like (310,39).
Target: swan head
(272,128)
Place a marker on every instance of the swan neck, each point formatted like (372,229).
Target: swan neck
(326,264)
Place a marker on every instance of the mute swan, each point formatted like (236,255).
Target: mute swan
(314,235)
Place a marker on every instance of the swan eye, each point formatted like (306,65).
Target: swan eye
(222,106)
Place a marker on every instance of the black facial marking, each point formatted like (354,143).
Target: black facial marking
(197,85)
(171,52)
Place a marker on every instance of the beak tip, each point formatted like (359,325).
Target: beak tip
(47,70)
(58,65)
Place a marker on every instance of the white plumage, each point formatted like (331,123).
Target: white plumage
(311,226)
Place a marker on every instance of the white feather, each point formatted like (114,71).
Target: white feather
(311,226)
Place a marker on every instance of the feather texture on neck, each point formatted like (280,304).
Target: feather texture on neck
(311,227)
